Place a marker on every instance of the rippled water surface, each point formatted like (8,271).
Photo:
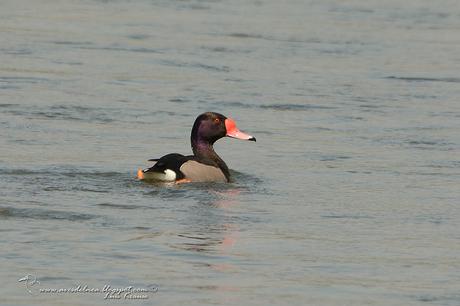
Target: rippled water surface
(351,195)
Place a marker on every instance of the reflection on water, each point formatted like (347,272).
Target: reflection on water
(208,230)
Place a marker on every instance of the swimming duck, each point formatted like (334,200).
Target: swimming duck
(204,165)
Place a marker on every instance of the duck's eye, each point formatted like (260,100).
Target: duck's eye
(216,121)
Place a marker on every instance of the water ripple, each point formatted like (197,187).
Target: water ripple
(23,80)
(425,79)
(43,214)
(279,107)
(123,49)
(295,107)
(181,64)
(62,112)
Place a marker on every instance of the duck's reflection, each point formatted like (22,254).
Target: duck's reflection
(204,236)
(212,226)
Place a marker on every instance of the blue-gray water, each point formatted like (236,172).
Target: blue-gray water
(351,195)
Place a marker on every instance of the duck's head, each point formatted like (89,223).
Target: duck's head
(210,127)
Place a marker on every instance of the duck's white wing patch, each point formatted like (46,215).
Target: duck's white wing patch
(198,172)
(166,176)
(170,175)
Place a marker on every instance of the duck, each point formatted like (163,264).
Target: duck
(204,165)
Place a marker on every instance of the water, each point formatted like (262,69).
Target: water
(349,197)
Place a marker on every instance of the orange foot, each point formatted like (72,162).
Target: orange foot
(184,180)
(140,174)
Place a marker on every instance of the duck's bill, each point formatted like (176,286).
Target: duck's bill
(240,135)
(234,132)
